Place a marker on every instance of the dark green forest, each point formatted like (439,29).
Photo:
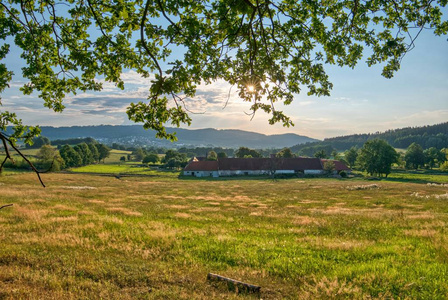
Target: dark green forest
(426,136)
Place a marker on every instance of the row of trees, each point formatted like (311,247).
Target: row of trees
(82,154)
(377,156)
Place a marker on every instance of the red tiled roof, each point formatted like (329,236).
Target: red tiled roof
(252,164)
(249,164)
(206,165)
(300,163)
(338,165)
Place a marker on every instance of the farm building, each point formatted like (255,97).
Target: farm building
(258,166)
(202,168)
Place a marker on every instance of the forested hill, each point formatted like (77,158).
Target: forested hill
(426,136)
(135,135)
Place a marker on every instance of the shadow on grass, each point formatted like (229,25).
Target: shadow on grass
(407,180)
(415,176)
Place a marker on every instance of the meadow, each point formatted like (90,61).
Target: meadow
(90,237)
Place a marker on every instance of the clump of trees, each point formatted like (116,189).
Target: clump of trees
(351,155)
(49,159)
(174,159)
(244,152)
(376,157)
(414,156)
(151,158)
(83,154)
(285,153)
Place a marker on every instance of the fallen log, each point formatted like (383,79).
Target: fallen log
(235,285)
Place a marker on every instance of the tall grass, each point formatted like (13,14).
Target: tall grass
(99,237)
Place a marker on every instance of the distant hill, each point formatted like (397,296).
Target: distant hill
(135,135)
(426,136)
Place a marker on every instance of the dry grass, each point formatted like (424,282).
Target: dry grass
(87,237)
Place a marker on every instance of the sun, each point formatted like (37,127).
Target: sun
(251,88)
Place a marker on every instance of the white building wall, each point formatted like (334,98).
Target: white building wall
(284,172)
(313,172)
(202,173)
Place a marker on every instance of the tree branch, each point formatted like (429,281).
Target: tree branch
(8,156)
(142,36)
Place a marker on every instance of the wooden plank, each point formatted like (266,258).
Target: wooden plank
(235,285)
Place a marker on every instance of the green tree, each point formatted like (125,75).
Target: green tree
(335,154)
(169,154)
(94,150)
(269,50)
(46,153)
(444,166)
(414,156)
(138,154)
(70,157)
(174,163)
(222,155)
(103,152)
(285,153)
(50,159)
(151,158)
(376,157)
(211,155)
(85,154)
(177,159)
(320,154)
(351,155)
(244,152)
(434,156)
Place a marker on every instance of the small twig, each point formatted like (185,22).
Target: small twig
(236,285)
(228,97)
(6,205)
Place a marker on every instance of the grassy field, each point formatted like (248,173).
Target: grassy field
(128,168)
(96,237)
(115,155)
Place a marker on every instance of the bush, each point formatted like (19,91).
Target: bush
(444,167)
(18,164)
(343,174)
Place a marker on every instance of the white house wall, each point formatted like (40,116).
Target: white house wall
(313,172)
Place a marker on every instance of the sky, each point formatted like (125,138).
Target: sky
(362,101)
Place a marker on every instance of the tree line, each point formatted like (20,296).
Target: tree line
(49,158)
(83,154)
(376,157)
(427,136)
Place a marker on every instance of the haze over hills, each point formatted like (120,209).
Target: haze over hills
(135,135)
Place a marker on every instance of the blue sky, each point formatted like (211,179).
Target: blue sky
(362,101)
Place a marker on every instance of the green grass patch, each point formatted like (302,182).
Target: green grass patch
(129,168)
(424,176)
